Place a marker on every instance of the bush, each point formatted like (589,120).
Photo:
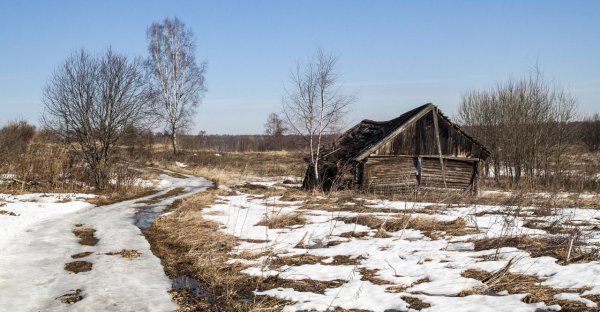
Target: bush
(14,139)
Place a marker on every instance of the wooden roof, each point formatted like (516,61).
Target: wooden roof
(367,136)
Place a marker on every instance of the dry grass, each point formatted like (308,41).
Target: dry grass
(282,221)
(296,260)
(81,255)
(556,227)
(551,246)
(370,275)
(126,253)
(111,197)
(78,266)
(415,303)
(8,213)
(430,227)
(70,297)
(523,284)
(85,235)
(304,285)
(190,245)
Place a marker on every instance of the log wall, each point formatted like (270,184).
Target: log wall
(401,174)
(389,174)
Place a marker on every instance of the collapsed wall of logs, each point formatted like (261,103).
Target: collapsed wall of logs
(392,174)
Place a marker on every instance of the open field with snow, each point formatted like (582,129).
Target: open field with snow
(266,245)
(320,253)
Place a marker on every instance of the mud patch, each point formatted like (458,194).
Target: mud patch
(8,213)
(81,255)
(86,235)
(78,266)
(415,303)
(190,285)
(70,297)
(126,253)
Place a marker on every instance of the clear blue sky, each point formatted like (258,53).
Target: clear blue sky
(394,55)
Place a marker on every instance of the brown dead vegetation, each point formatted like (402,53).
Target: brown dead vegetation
(430,227)
(303,285)
(126,253)
(415,303)
(551,246)
(78,266)
(370,275)
(70,297)
(513,283)
(296,260)
(8,213)
(555,227)
(111,197)
(85,235)
(282,221)
(81,255)
(190,245)
(173,192)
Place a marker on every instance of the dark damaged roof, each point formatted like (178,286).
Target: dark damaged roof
(359,141)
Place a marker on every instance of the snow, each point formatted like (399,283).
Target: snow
(37,243)
(425,268)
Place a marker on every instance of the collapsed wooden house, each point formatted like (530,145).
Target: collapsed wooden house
(421,150)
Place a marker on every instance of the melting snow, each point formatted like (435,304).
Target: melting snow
(37,243)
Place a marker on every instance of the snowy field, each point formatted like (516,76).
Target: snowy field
(379,255)
(59,253)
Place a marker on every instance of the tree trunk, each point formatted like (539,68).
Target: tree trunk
(174,141)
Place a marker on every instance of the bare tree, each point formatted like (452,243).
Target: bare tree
(524,123)
(314,104)
(276,129)
(90,101)
(177,82)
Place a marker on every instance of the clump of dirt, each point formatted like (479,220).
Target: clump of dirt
(86,235)
(415,303)
(81,254)
(70,297)
(78,266)
(370,275)
(126,253)
(8,213)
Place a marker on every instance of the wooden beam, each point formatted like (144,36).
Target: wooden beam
(439,145)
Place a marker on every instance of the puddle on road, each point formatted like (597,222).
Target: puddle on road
(187,283)
(145,216)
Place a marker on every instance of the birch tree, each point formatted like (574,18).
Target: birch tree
(314,104)
(90,102)
(177,81)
